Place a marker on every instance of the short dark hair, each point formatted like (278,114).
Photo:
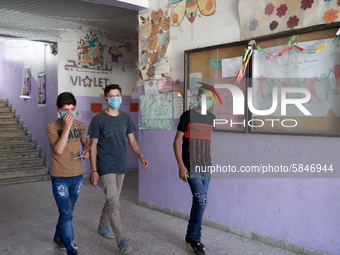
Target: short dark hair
(200,90)
(112,86)
(66,98)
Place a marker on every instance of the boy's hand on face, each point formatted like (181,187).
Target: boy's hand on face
(68,120)
(183,173)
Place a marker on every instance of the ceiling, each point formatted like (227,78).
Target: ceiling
(45,20)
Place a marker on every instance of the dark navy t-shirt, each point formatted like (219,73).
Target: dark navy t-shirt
(197,129)
(111,148)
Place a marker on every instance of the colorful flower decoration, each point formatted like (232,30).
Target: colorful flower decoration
(273,25)
(281,11)
(292,22)
(306,4)
(90,52)
(269,9)
(253,24)
(331,15)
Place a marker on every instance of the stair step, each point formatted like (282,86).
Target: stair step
(22,172)
(37,178)
(8,120)
(10,126)
(19,154)
(14,139)
(17,146)
(3,104)
(5,109)
(25,162)
(12,132)
(7,114)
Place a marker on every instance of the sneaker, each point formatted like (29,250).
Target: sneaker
(197,248)
(59,244)
(105,231)
(125,248)
(189,241)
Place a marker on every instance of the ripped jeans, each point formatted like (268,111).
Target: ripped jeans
(66,191)
(199,189)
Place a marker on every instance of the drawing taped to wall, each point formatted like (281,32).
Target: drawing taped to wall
(42,90)
(190,8)
(264,17)
(26,82)
(156,111)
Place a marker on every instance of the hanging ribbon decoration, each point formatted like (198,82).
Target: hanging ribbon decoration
(291,44)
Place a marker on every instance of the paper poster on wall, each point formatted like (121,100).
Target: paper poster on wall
(190,10)
(156,111)
(178,105)
(192,101)
(154,37)
(42,90)
(318,72)
(151,87)
(162,68)
(264,17)
(165,85)
(230,66)
(26,82)
(195,78)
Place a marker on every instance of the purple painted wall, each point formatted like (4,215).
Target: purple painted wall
(14,54)
(300,211)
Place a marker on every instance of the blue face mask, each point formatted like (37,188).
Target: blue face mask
(64,113)
(209,103)
(114,102)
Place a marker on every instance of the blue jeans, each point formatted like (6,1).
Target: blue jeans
(199,189)
(66,191)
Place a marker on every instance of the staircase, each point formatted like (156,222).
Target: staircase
(20,158)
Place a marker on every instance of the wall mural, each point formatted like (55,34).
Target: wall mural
(263,17)
(190,8)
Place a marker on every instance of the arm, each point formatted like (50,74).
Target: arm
(182,170)
(135,147)
(86,149)
(94,177)
(59,145)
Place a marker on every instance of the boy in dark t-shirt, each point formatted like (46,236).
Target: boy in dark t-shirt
(107,131)
(195,129)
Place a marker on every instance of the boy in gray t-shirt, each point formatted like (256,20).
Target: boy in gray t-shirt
(108,157)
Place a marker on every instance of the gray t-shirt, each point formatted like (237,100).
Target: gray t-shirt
(111,148)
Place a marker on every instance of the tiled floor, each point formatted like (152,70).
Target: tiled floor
(28,216)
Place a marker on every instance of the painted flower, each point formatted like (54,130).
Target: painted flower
(270,8)
(85,49)
(306,4)
(281,11)
(292,22)
(273,25)
(331,15)
(253,24)
(338,3)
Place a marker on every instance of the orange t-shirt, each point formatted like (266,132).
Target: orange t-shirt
(65,165)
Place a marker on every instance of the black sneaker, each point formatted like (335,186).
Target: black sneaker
(59,244)
(197,248)
(189,241)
